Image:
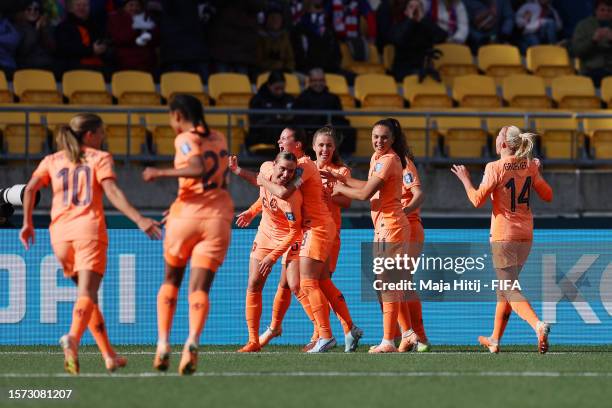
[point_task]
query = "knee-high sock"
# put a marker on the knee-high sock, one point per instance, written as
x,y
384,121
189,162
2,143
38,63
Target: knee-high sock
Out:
x,y
253,315
198,312
502,315
318,304
337,302
302,297
525,311
81,314
416,318
282,300
166,306
403,316
98,331
390,315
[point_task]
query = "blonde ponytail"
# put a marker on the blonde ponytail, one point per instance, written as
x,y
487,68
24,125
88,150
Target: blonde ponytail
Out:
x,y
70,137
521,144
67,142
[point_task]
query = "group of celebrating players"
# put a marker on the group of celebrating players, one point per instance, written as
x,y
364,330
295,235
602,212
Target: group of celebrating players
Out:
x,y
300,201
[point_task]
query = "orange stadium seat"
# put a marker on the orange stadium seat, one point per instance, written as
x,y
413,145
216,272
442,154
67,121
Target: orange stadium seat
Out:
x,y
377,90
599,132
426,94
500,60
456,60
476,91
292,83
230,90
337,85
6,96
134,88
36,86
371,66
464,137
172,83
85,88
548,61
14,131
560,139
574,92
525,91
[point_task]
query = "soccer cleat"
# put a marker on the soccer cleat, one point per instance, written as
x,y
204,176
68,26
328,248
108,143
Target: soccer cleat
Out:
x,y
422,347
161,362
489,343
71,360
250,347
189,359
115,362
351,339
382,348
309,345
268,335
409,341
542,329
323,345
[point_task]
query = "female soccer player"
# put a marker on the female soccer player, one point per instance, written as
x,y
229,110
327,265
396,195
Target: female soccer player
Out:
x,y
324,144
384,190
79,174
509,181
280,228
198,226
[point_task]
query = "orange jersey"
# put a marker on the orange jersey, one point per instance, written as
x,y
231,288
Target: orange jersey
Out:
x,y
314,211
509,182
386,203
410,179
328,188
205,197
77,211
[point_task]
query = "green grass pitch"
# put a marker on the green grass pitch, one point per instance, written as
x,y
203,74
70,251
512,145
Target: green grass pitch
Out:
x,y
284,377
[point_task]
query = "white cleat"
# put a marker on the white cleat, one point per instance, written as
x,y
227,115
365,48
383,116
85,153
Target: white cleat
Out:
x,y
323,345
351,339
542,330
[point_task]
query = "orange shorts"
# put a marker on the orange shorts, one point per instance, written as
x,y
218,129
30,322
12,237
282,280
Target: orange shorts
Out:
x,y
316,241
510,253
264,244
205,241
392,235
81,255
417,233
334,252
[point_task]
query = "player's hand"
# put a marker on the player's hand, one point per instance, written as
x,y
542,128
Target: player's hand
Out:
x,y
233,164
333,175
150,227
265,266
461,172
244,219
164,217
150,174
537,163
26,236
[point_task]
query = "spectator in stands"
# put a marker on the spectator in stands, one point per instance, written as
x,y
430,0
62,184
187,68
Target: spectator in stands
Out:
x,y
265,128
135,37
414,38
450,16
9,41
388,13
318,97
492,21
346,18
540,23
37,42
81,43
274,50
592,42
183,44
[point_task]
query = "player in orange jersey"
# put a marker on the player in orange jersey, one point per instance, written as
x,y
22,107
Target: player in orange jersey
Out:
x,y
79,174
198,226
384,190
509,181
324,144
280,228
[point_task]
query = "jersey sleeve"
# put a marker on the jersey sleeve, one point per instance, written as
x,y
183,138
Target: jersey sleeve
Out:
x,y
105,168
411,176
266,168
541,187
384,167
42,171
292,210
187,146
489,180
306,171
255,208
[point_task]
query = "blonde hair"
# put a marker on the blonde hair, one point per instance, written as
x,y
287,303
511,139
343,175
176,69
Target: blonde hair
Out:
x,y
521,144
70,137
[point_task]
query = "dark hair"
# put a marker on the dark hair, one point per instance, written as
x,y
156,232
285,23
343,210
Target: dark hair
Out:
x,y
329,130
603,2
275,76
399,141
192,110
285,156
298,135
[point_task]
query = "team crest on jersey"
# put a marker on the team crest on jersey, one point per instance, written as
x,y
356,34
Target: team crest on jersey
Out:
x,y
299,171
290,216
185,148
378,167
408,179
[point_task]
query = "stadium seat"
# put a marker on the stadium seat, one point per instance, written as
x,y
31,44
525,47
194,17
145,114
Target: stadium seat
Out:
x,y
500,60
292,86
494,124
599,131
464,137
337,85
606,91
371,66
388,56
559,137
574,92
134,88
476,91
54,120
117,130
525,91
456,60
6,96
171,83
548,61
85,88
14,131
36,86
230,90
377,90
427,94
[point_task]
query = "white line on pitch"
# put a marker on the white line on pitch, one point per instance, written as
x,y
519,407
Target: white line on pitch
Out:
x,y
296,352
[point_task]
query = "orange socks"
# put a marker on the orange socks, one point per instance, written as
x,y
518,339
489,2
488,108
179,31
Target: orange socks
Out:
x,y
403,316
253,314
390,315
282,300
318,304
81,314
166,305
416,318
302,297
198,311
98,331
337,302
502,315
525,311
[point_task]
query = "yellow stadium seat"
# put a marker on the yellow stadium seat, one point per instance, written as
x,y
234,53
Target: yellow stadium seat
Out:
x,y
85,88
388,56
525,91
14,131
427,94
377,90
456,60
134,88
163,134
606,91
54,120
116,125
36,86
292,83
574,92
548,61
337,85
559,137
500,60
371,66
494,124
464,137
476,91
231,90
5,94
172,83
599,132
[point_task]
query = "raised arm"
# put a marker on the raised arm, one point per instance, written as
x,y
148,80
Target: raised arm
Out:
x,y
249,176
477,196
